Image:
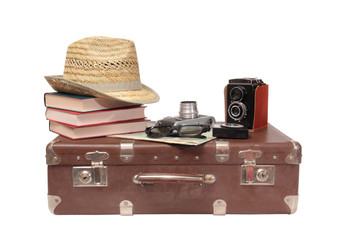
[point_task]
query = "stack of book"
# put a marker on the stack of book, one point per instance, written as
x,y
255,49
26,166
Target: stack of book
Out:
x,y
78,117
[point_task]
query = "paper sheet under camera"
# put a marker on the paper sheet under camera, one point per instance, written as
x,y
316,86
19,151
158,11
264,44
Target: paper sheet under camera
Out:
x,y
172,140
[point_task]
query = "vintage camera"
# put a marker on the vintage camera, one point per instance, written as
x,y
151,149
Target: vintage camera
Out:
x,y
188,124
246,103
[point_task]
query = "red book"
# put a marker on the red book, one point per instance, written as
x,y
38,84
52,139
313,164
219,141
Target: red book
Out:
x,y
80,119
98,130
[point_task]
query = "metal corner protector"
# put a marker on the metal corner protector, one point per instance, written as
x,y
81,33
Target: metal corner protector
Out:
x,y
53,202
292,202
51,157
295,156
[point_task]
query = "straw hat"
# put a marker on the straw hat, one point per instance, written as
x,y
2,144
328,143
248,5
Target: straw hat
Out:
x,y
103,67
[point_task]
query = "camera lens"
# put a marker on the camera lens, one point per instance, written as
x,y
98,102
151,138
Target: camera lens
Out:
x,y
237,93
188,110
237,111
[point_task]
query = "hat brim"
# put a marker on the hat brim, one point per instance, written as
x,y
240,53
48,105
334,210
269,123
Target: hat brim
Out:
x,y
141,96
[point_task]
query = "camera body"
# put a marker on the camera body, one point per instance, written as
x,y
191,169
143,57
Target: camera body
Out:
x,y
177,121
188,124
246,103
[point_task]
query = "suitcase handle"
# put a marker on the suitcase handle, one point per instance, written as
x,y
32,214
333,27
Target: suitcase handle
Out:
x,y
148,178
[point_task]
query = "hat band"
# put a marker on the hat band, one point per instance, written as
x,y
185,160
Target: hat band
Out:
x,y
115,86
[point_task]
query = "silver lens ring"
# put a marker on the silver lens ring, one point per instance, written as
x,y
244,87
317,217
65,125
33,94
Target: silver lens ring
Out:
x,y
242,111
236,97
188,110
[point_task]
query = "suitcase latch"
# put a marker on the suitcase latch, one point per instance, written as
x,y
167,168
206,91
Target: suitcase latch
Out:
x,y
253,174
94,175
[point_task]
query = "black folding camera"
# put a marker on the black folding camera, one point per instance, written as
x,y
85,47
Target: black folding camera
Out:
x,y
246,102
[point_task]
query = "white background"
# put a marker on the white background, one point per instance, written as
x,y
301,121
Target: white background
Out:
x,y
187,50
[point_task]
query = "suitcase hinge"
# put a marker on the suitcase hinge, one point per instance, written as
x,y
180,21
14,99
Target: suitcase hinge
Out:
x,y
126,151
253,174
94,175
222,153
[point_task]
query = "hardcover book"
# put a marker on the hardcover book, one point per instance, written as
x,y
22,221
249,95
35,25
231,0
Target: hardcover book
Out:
x,y
97,130
80,103
79,119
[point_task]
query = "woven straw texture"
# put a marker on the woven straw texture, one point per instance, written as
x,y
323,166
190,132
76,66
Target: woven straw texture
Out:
x,y
101,59
103,67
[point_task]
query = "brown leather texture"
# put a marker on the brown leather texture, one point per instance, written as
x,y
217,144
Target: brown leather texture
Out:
x,y
261,107
173,198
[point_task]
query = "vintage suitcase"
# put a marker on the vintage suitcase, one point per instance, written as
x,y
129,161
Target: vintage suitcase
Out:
x,y
224,176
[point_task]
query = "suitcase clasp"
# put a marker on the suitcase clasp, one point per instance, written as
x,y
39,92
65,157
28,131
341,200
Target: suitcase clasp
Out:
x,y
94,175
253,174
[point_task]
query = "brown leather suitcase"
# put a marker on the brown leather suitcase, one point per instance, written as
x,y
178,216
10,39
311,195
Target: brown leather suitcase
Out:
x,y
224,176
